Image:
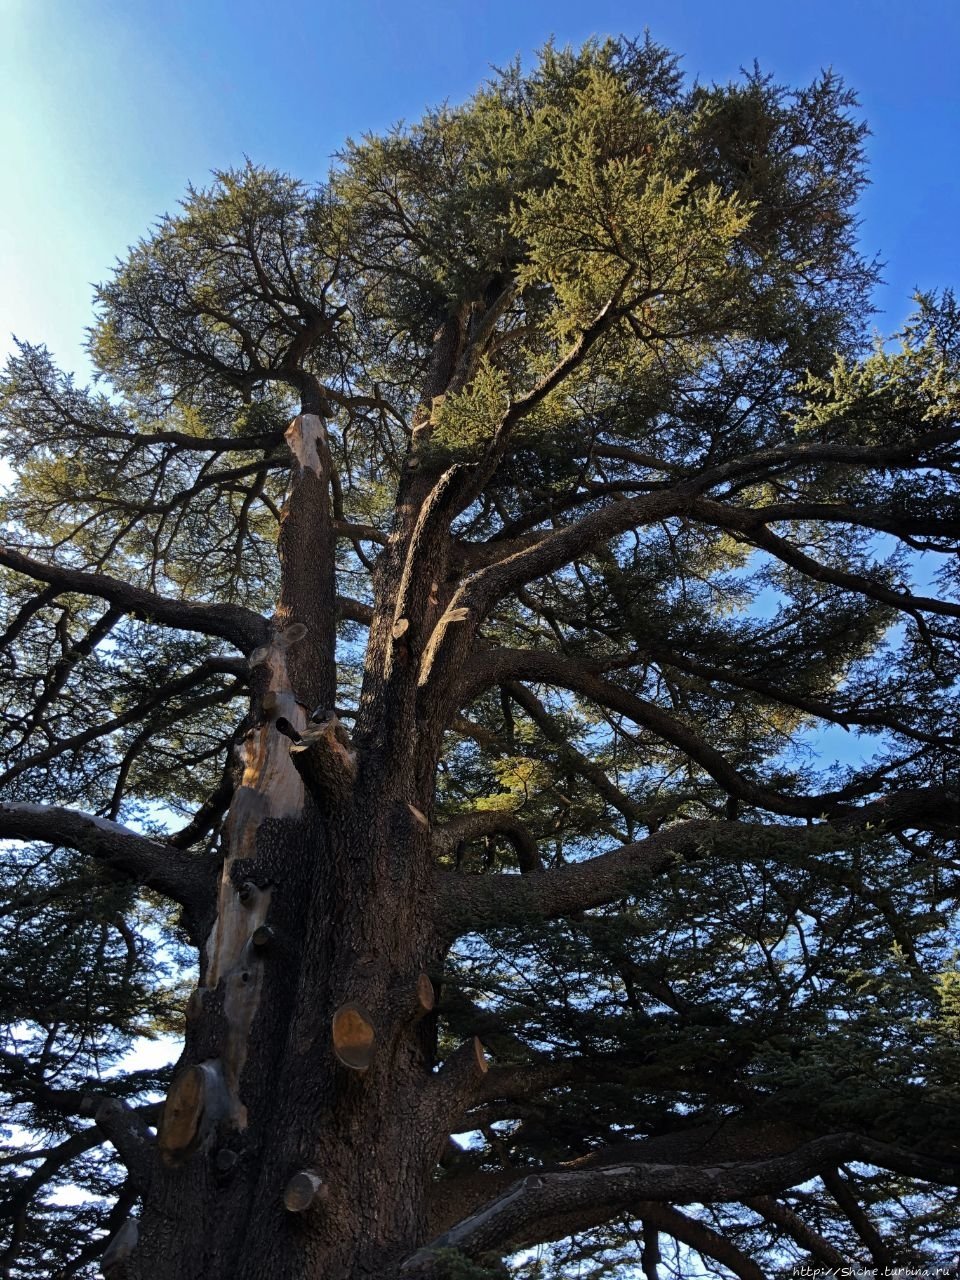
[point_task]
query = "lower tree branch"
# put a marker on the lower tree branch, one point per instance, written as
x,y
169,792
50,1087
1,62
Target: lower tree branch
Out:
x,y
781,1215
468,902
128,1131
241,627
476,902
126,1199
607,1190
857,1217
153,864
698,1235
18,1207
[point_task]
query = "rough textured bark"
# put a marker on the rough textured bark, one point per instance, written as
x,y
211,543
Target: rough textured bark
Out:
x,y
324,923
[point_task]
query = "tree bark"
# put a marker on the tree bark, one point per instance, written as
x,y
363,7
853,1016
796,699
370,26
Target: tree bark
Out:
x,y
305,1118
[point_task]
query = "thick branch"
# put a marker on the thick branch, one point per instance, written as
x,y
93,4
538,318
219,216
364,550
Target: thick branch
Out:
x,y
488,822
241,627
613,1189
151,863
129,1133
468,902
354,610
306,548
209,813
476,902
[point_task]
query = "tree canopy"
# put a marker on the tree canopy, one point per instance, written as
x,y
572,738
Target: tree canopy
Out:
x,y
620,554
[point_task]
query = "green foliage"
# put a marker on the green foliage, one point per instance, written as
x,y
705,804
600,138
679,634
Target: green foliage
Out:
x,y
588,285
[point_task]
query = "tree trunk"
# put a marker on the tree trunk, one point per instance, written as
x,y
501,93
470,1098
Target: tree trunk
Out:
x,y
305,1119
343,918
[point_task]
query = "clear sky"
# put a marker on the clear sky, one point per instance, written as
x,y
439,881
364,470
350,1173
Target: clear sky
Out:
x,y
108,108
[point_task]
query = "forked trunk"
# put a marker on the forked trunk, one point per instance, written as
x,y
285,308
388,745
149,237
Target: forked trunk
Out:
x,y
305,1119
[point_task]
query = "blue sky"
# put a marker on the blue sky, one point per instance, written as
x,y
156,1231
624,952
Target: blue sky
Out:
x,y
108,108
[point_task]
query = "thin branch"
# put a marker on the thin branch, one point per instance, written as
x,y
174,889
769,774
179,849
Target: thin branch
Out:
x,y
485,670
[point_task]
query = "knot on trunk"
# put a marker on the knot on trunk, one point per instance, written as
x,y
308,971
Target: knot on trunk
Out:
x,y
324,758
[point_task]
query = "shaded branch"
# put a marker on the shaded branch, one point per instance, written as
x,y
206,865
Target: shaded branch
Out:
x,y
607,1190
19,1204
354,610
152,864
476,902
466,903
209,813
781,1215
241,627
488,822
698,1235
857,1216
127,1130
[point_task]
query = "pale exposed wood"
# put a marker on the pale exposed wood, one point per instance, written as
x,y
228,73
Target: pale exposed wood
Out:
x,y
242,989
426,996
412,1001
305,436
304,1189
292,635
353,1036
483,1064
270,788
446,619
197,1100
400,627
182,1112
418,816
